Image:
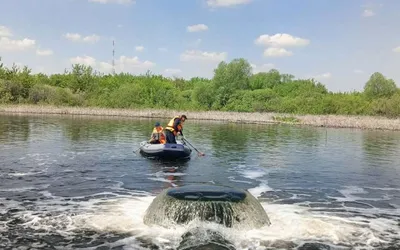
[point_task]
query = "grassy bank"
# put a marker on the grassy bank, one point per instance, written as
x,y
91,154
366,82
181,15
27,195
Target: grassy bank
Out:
x,y
338,121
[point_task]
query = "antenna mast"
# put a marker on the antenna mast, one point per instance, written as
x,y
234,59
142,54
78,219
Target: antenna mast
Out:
x,y
113,62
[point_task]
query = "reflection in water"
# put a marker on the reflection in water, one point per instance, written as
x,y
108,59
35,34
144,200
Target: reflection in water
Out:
x,y
13,128
228,137
379,150
380,144
80,129
306,136
244,137
170,173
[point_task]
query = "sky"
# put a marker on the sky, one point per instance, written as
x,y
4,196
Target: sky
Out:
x,y
338,42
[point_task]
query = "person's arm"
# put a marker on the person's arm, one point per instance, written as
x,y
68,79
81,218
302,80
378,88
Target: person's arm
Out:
x,y
176,126
155,135
151,137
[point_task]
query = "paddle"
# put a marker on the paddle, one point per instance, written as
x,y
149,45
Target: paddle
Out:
x,y
135,151
199,153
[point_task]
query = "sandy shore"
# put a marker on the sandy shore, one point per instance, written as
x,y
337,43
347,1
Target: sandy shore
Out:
x,y
338,121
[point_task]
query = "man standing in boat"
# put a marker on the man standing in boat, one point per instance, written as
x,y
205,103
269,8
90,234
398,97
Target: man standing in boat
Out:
x,y
174,128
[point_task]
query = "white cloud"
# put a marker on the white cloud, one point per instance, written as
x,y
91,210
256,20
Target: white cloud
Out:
x,y
368,13
358,71
370,9
197,55
397,49
75,37
172,71
135,62
263,67
91,39
322,76
277,52
104,66
163,49
197,28
113,1
5,32
125,64
139,48
86,60
226,3
72,36
45,52
7,44
281,40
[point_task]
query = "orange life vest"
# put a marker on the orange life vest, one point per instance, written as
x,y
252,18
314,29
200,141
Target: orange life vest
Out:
x,y
170,125
158,135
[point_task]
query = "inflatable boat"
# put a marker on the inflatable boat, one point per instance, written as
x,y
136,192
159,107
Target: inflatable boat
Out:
x,y
165,151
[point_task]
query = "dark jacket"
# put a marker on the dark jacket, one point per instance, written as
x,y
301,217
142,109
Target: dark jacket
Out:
x,y
176,122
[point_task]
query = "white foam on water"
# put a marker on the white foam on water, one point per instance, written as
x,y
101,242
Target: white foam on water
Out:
x,y
20,189
161,173
18,174
90,178
126,216
233,179
68,170
293,222
350,194
257,191
117,185
289,222
163,180
384,188
253,174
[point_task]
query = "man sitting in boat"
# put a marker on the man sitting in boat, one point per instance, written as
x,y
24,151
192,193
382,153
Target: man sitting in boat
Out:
x,y
174,128
157,137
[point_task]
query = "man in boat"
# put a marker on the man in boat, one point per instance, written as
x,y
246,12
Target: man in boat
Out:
x,y
174,128
157,137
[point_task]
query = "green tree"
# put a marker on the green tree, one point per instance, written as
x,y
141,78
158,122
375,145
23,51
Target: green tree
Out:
x,y
233,87
378,86
234,75
203,95
230,77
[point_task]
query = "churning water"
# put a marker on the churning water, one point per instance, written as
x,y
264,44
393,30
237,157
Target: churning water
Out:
x,y
75,183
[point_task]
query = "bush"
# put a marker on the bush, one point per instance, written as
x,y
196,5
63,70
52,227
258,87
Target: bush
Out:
x,y
233,88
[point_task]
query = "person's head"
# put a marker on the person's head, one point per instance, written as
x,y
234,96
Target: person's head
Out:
x,y
183,118
157,125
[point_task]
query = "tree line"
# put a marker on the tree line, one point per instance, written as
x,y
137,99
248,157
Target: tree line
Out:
x,y
232,88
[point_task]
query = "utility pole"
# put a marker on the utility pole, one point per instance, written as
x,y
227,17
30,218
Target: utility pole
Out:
x,y
113,61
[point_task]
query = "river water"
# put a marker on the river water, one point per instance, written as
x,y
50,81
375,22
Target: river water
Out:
x,y
76,183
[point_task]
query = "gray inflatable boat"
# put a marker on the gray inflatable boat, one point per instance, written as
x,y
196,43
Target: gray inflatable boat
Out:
x,y
166,151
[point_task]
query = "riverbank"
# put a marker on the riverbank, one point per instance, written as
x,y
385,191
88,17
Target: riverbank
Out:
x,y
337,121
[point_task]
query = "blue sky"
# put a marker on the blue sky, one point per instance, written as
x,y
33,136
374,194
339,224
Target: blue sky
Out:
x,y
339,42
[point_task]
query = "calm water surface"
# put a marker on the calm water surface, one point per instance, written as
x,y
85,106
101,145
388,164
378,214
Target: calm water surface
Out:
x,y
75,183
